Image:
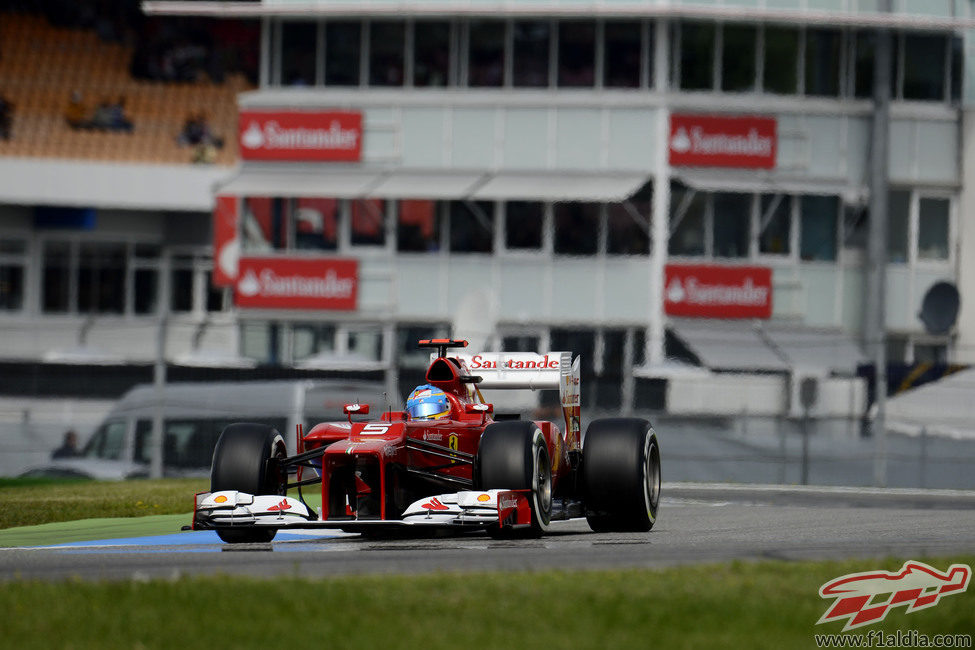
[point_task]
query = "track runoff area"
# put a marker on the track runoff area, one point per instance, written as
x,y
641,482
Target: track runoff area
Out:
x,y
697,523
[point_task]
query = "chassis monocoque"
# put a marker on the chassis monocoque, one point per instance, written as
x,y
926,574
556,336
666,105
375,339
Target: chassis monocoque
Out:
x,y
463,472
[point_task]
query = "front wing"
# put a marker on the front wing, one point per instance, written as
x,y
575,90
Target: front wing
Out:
x,y
460,510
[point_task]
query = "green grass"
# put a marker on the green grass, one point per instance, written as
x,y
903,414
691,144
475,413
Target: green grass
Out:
x,y
29,502
753,605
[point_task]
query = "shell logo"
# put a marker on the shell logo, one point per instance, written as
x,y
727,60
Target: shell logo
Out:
x,y
483,497
220,499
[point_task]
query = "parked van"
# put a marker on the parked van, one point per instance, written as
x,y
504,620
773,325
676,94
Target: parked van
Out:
x,y
194,414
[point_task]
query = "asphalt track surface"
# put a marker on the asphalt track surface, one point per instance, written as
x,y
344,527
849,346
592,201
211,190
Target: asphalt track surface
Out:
x,y
696,523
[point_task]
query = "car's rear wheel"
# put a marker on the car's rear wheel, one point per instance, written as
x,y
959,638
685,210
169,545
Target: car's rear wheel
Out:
x,y
514,456
241,462
621,473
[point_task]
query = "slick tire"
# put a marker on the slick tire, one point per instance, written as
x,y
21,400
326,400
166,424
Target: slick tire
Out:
x,y
621,475
240,462
514,456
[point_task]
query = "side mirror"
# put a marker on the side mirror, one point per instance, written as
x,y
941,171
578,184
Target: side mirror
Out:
x,y
358,409
482,409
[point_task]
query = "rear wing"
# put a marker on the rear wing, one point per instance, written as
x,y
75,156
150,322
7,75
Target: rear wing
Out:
x,y
534,371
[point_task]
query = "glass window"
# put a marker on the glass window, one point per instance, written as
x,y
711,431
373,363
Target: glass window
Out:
x,y
12,264
366,343
898,226
865,43
298,52
577,53
107,441
257,224
781,60
856,227
216,297
732,221
342,48
419,227
524,343
387,46
315,222
369,221
621,66
56,277
523,224
823,62
11,287
181,284
738,53
576,228
431,53
924,66
531,50
932,231
101,278
687,234
309,339
143,441
957,66
485,53
775,225
628,224
818,216
697,56
257,340
146,290
471,226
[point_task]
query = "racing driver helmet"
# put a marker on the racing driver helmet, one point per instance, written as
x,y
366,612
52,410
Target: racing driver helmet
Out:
x,y
427,402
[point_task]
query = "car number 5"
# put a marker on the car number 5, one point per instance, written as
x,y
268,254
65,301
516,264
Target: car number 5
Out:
x,y
375,429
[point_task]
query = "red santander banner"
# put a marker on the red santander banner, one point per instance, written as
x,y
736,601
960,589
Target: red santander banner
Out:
x,y
226,245
279,283
711,291
301,136
719,141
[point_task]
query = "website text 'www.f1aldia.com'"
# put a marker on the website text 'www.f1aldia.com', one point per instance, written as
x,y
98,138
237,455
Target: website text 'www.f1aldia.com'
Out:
x,y
899,639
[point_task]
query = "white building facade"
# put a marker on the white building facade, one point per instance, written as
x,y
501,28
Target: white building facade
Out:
x,y
513,160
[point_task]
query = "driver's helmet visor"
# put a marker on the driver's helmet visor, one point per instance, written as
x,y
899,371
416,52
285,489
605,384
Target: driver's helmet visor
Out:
x,y
427,409
427,402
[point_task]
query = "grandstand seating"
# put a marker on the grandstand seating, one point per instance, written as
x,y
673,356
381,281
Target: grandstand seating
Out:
x,y
41,65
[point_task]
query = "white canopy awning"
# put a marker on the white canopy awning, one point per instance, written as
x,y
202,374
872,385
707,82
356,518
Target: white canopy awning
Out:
x,y
427,185
561,186
750,345
944,408
819,351
749,181
728,344
342,182
301,180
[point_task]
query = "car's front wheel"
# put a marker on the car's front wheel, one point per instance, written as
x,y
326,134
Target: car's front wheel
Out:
x,y
241,462
514,456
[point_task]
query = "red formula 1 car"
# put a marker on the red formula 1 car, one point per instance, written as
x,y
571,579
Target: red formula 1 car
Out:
x,y
442,463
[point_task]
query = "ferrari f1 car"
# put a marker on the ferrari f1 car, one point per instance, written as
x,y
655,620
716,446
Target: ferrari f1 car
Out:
x,y
442,463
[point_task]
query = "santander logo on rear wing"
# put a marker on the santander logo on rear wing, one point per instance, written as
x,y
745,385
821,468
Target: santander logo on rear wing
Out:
x,y
533,371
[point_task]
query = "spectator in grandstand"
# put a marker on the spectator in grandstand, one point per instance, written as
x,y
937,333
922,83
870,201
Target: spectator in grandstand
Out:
x,y
197,131
6,117
76,114
110,116
118,121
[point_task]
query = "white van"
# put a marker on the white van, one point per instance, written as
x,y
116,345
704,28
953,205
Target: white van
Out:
x,y
194,414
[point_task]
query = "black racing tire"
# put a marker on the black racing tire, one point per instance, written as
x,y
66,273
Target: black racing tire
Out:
x,y
514,456
240,462
621,475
